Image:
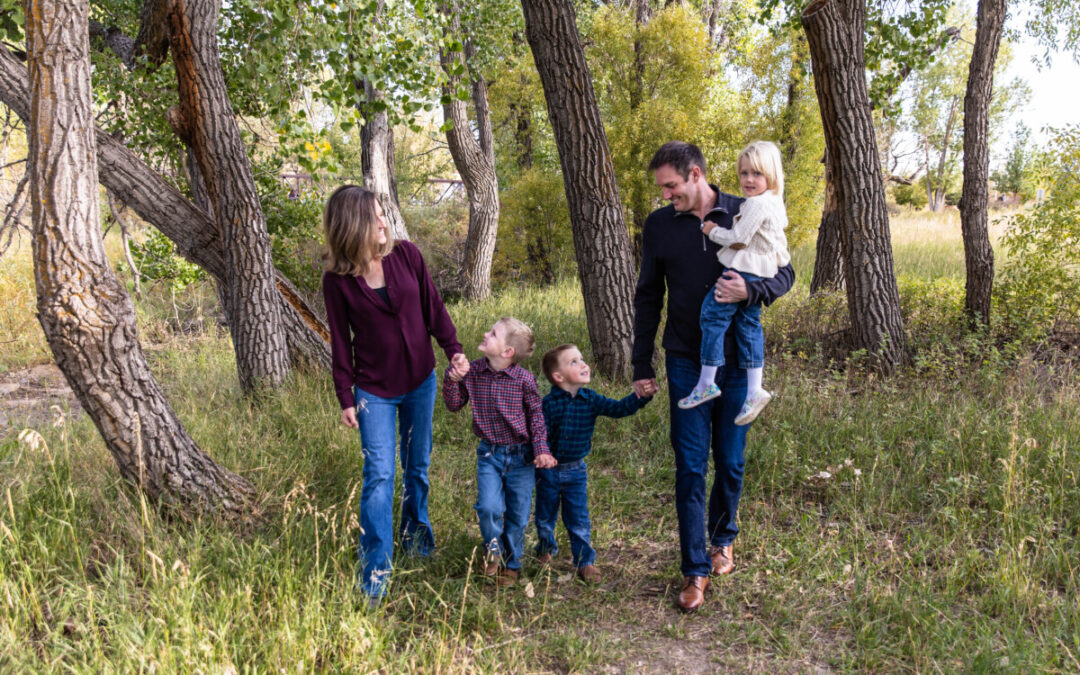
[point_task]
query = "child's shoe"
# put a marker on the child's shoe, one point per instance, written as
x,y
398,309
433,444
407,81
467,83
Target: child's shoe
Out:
x,y
699,396
589,574
753,405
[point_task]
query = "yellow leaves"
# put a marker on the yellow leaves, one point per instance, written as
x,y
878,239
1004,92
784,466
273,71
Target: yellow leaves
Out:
x,y
317,149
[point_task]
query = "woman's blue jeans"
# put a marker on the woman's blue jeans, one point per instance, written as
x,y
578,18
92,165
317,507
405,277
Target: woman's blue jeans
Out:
x,y
693,433
505,483
717,317
376,416
566,485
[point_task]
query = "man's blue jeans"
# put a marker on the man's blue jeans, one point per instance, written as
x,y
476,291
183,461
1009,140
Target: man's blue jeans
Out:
x,y
505,483
568,485
693,432
376,418
717,317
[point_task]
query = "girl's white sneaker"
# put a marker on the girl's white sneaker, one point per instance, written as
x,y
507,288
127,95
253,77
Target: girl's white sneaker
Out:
x,y
753,405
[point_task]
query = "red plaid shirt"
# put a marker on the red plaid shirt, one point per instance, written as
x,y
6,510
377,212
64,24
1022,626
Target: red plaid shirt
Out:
x,y
505,404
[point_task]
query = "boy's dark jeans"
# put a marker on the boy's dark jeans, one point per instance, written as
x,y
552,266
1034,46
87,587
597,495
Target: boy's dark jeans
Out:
x,y
567,486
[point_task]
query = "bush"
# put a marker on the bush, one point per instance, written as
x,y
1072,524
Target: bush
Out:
x,y
910,195
295,227
1040,288
156,260
439,231
536,244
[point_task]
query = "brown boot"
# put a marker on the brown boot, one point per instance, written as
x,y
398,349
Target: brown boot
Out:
x,y
543,558
692,595
506,577
723,560
589,574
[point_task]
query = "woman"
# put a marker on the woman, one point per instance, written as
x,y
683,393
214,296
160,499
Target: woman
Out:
x,y
383,310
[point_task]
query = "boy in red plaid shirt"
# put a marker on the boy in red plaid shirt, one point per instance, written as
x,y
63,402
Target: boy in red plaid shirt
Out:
x,y
508,419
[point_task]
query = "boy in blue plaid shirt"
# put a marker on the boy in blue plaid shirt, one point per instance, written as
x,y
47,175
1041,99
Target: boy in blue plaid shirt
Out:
x,y
570,412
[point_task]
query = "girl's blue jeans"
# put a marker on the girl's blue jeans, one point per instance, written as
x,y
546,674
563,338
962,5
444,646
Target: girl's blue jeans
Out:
x,y
566,485
716,317
505,483
376,417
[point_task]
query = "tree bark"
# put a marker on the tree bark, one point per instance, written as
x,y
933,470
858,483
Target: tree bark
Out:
x,y
83,308
204,120
978,254
834,29
196,236
475,161
829,255
377,159
601,243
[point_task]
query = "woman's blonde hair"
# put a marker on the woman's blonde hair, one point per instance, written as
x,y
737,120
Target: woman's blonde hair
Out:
x,y
350,226
764,156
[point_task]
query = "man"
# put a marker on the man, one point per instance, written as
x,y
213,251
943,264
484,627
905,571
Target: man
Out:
x,y
678,258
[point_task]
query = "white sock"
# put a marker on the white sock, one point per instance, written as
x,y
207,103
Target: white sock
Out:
x,y
708,376
753,379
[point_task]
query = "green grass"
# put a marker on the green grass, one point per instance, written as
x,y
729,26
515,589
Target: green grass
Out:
x,y
945,539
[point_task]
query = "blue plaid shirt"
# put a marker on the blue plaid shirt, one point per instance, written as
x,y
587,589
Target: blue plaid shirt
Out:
x,y
572,419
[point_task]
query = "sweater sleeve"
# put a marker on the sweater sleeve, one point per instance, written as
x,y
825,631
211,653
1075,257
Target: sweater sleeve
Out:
x,y
648,301
436,318
337,320
753,213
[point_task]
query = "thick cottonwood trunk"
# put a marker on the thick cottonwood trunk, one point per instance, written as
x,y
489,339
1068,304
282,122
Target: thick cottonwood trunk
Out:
x,y
601,243
978,254
83,308
204,120
377,159
474,159
829,256
196,236
834,29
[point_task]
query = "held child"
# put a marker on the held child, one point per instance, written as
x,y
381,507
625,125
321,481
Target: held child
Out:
x,y
755,247
508,419
570,411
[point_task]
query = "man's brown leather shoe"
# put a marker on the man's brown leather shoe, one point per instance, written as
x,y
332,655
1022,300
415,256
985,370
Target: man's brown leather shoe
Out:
x,y
491,569
723,559
589,574
543,558
506,577
692,595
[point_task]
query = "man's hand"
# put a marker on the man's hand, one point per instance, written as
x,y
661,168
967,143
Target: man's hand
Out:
x,y
348,417
459,367
646,388
545,461
730,287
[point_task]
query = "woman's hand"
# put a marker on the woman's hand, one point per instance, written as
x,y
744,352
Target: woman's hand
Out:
x,y
348,417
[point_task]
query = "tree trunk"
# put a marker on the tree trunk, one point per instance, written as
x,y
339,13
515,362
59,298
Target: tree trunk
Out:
x,y
83,308
601,244
475,162
377,159
829,255
196,236
978,254
834,29
204,120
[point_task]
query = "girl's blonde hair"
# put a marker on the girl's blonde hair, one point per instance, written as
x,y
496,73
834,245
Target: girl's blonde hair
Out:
x,y
350,226
764,156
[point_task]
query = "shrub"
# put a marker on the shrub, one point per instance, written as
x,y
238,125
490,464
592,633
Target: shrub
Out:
x,y
535,242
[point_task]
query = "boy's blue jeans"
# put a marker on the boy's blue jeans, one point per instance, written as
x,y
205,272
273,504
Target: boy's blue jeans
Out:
x,y
566,484
694,432
716,317
505,483
376,417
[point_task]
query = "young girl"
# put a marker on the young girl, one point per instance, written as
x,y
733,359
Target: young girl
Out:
x,y
755,247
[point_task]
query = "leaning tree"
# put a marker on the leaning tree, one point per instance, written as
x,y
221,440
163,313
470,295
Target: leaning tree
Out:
x,y
84,310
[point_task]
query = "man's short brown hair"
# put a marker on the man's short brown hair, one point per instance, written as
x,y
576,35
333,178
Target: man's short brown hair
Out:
x,y
520,337
680,156
550,363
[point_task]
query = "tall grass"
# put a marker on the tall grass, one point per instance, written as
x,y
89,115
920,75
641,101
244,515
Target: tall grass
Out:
x,y
928,522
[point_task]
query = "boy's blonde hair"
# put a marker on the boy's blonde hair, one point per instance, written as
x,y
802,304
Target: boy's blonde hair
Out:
x,y
764,156
550,363
520,337
350,225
